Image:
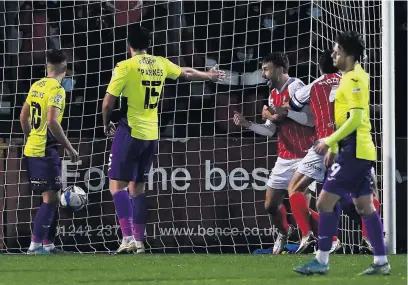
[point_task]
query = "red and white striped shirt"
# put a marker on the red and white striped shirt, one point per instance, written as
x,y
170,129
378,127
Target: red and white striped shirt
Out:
x,y
294,139
320,96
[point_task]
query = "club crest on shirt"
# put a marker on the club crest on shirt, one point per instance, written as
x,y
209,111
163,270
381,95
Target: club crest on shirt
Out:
x,y
58,99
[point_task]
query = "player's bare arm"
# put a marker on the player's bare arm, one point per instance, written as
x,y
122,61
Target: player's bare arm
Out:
x,y
25,119
191,74
107,109
56,129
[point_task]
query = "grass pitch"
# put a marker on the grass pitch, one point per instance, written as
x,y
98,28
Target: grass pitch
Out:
x,y
189,269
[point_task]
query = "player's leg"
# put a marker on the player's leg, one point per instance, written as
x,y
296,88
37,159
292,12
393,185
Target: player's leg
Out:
x,y
137,193
48,242
275,208
278,184
300,208
365,245
364,202
311,168
140,211
338,179
122,170
45,178
42,222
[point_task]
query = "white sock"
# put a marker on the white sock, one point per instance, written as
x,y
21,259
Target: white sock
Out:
x,y
322,256
34,245
128,239
380,259
49,246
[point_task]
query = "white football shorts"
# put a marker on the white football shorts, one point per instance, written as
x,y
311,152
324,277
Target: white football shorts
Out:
x,y
282,173
312,165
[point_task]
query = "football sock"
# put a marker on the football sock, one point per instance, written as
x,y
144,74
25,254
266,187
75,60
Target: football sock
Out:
x,y
139,216
374,229
300,211
34,245
328,225
124,212
42,221
52,230
363,225
279,220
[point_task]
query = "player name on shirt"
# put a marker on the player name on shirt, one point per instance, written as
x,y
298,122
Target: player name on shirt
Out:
x,y
151,72
320,95
139,82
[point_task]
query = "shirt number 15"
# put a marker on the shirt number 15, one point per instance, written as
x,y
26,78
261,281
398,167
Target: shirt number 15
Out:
x,y
151,94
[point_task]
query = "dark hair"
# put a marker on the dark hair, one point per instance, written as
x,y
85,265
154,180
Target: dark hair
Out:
x,y
326,63
139,38
279,59
352,43
56,56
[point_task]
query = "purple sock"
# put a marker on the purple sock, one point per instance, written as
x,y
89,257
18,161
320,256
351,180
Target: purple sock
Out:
x,y
375,233
139,216
42,221
124,212
328,225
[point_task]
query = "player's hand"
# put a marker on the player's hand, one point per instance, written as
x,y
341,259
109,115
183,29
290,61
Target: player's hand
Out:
x,y
110,129
281,111
286,105
240,120
266,114
321,148
216,74
73,155
329,159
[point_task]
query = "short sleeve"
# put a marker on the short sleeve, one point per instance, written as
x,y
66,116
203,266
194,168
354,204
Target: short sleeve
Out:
x,y
28,99
173,70
56,97
295,86
118,80
300,98
353,92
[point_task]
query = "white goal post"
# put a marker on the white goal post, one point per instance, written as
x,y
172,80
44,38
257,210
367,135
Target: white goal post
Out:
x,y
207,186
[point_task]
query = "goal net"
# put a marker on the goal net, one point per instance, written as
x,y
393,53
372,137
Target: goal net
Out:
x,y
206,189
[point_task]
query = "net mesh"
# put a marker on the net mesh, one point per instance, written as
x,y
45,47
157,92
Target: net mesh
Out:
x,y
206,190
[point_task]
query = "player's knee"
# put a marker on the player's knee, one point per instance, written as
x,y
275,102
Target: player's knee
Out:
x,y
50,197
136,188
322,206
364,210
272,208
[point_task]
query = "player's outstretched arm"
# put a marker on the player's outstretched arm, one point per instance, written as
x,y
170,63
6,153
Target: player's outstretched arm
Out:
x,y
191,74
55,127
25,119
268,129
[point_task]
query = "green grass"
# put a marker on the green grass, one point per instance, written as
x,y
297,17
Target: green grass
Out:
x,y
189,269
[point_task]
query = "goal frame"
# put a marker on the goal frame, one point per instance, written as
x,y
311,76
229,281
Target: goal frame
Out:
x,y
388,125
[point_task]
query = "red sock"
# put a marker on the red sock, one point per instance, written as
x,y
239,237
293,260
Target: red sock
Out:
x,y
300,211
279,220
315,215
363,226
